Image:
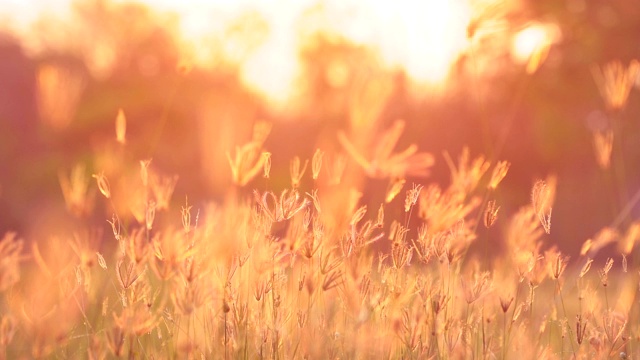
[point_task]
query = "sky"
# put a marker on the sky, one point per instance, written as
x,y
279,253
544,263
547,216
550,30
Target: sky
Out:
x,y
423,38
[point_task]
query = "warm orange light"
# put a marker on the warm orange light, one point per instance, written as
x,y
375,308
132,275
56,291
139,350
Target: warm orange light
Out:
x,y
527,41
423,38
262,38
531,45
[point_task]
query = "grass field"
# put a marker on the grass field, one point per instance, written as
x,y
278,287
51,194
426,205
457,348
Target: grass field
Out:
x,y
298,273
320,264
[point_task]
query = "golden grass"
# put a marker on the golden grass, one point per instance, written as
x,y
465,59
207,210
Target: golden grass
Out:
x,y
312,272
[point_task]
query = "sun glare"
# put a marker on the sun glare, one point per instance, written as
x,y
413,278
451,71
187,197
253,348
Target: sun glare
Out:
x,y
531,40
423,38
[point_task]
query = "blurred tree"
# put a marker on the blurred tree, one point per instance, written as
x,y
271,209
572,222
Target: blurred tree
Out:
x,y
18,115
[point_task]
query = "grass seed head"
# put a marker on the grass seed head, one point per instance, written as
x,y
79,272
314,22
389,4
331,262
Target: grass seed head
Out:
x,y
316,164
297,172
394,188
603,146
103,184
615,81
499,172
144,171
491,214
542,198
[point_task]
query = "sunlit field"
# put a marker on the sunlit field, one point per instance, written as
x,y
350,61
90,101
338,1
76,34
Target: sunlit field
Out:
x,y
320,180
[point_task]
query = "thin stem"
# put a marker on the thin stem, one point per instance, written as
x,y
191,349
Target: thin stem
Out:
x,y
434,333
566,318
504,335
531,295
225,336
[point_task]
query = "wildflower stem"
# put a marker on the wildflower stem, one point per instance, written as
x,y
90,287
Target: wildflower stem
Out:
x,y
274,340
225,336
513,313
434,333
531,295
246,333
564,310
132,354
481,211
504,335
115,212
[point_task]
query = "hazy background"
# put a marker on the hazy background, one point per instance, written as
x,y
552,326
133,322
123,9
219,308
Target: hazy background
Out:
x,y
193,76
